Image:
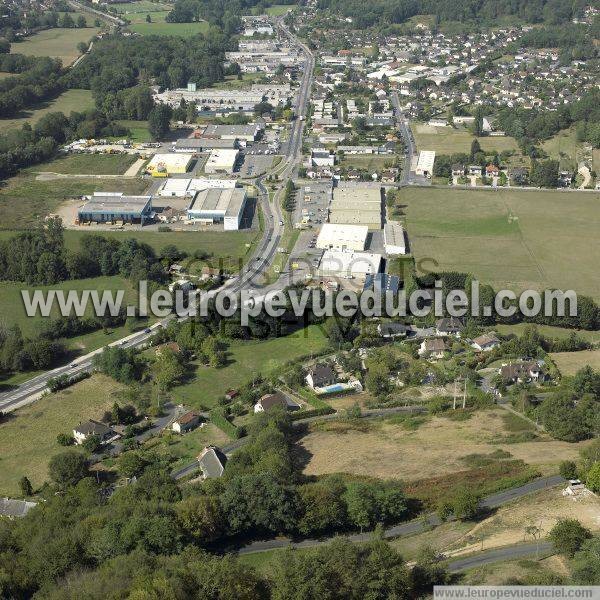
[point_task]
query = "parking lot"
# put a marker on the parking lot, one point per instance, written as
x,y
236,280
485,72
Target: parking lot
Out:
x,y
255,165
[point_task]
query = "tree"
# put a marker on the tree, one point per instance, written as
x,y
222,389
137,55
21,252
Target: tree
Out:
x,y
81,22
92,444
68,468
568,535
478,123
82,47
159,121
475,149
586,563
148,19
167,369
66,21
465,504
25,487
201,517
359,124
592,479
64,439
131,464
568,469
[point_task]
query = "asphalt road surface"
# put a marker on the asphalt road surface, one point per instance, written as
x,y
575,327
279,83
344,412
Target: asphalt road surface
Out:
x,y
498,555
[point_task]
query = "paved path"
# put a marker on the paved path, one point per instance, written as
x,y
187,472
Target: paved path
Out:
x,y
498,555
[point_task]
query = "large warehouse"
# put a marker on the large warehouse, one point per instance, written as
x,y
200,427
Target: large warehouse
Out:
x,y
219,206
357,206
349,264
169,163
335,236
425,163
201,144
103,207
393,238
221,161
180,188
247,133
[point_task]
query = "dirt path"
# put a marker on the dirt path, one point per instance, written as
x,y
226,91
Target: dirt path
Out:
x,y
587,176
134,168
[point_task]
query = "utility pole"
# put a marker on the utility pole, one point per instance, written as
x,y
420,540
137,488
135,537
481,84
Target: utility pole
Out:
x,y
454,400
465,395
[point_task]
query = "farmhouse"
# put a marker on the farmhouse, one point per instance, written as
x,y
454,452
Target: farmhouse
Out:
x,y
425,163
320,375
111,207
219,206
394,239
342,237
90,428
212,462
186,422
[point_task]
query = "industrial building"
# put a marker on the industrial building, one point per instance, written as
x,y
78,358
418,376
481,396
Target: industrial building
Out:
x,y
111,207
349,264
247,133
180,188
394,238
342,237
167,164
219,206
202,144
357,206
425,163
221,160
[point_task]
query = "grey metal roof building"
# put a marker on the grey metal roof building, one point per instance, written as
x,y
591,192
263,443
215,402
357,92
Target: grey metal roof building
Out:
x,y
15,508
201,144
212,462
114,206
219,206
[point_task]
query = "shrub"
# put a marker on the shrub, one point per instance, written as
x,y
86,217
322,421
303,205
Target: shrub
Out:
x,y
568,535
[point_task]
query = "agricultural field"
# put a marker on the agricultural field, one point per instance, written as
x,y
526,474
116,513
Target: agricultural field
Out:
x,y
246,359
508,238
447,140
391,450
370,162
25,199
565,148
279,9
87,164
568,363
549,331
161,27
56,43
67,102
28,436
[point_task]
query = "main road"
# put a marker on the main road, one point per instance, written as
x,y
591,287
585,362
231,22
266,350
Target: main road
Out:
x,y
249,277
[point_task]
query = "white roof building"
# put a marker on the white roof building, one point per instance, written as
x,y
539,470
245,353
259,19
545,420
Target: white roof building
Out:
x,y
219,206
393,238
334,236
425,163
170,163
221,160
180,188
349,264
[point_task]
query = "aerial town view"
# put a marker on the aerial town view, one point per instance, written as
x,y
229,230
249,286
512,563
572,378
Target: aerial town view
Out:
x,y
299,299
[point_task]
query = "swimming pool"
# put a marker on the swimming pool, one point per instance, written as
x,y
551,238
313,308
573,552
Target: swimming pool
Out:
x,y
334,387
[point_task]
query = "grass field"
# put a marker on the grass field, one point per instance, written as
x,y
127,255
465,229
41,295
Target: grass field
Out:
x,y
447,140
28,437
13,310
231,82
87,164
279,9
24,200
139,130
390,451
56,43
508,238
370,162
160,27
246,359
563,147
67,102
569,363
560,333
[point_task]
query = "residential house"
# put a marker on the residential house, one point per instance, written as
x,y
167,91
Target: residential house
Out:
x,y
268,401
492,171
90,428
320,376
475,170
449,326
14,509
392,330
186,422
522,372
434,348
212,462
519,176
458,170
486,342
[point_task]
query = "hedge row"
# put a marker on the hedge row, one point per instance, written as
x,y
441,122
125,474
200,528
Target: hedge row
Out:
x,y
314,412
218,418
55,384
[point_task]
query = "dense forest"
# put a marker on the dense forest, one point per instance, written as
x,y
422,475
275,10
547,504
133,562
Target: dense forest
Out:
x,y
385,12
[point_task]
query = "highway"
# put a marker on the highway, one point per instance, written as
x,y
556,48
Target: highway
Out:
x,y
249,277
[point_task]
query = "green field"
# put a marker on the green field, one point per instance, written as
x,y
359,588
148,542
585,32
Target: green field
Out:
x,y
231,82
25,200
139,130
515,239
163,28
549,331
13,310
246,359
370,162
569,363
447,140
28,439
279,9
565,148
56,43
87,164
67,102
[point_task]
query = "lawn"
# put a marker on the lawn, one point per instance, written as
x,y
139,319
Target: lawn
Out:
x,y
549,331
370,162
87,164
28,436
569,363
231,82
67,102
447,140
56,43
139,130
245,360
25,200
510,238
173,29
564,147
279,9
13,310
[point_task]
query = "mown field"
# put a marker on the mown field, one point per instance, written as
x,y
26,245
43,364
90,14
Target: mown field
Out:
x,y
246,359
548,331
138,130
56,43
509,238
28,436
67,102
160,27
447,140
87,164
569,363
370,162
